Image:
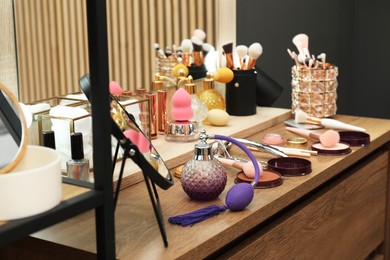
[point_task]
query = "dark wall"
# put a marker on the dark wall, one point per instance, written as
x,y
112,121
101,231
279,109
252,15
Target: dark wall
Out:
x,y
354,34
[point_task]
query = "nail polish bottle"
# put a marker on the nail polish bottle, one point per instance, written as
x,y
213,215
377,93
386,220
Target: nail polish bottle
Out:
x,y
78,167
48,139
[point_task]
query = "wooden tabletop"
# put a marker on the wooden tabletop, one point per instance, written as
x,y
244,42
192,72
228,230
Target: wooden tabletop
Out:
x,y
137,233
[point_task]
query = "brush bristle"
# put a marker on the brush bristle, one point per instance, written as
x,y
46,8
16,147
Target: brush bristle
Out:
x,y
300,116
228,47
255,50
186,46
242,50
301,41
330,138
199,34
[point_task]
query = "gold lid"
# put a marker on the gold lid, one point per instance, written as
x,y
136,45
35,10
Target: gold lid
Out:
x,y
208,82
190,85
296,140
157,83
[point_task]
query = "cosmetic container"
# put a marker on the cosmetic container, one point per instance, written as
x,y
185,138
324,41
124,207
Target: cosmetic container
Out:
x,y
241,93
212,98
181,128
198,106
78,167
314,90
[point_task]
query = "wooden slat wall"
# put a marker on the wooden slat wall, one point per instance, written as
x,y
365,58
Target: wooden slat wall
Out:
x,y
52,40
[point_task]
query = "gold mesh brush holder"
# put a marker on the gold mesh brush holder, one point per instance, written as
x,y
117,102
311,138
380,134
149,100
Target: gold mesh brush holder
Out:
x,y
314,90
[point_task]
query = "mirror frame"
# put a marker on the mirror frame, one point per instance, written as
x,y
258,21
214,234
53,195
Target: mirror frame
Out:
x,y
24,134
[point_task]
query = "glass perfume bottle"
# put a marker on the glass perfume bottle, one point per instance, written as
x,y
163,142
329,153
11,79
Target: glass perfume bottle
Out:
x,y
203,177
198,106
78,167
212,98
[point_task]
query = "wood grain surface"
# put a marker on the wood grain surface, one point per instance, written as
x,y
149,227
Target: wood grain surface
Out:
x,y
341,204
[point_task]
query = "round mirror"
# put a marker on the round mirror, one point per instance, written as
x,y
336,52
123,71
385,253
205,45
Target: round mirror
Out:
x,y
125,126
13,131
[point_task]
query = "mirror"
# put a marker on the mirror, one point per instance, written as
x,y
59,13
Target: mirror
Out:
x,y
13,131
124,127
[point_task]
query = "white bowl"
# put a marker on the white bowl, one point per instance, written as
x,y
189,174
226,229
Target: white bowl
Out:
x,y
33,186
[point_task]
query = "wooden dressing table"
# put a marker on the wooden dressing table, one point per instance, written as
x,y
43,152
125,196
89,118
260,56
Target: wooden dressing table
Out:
x,y
339,211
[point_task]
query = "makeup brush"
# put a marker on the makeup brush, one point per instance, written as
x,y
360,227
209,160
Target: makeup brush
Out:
x,y
245,166
328,139
322,58
301,41
242,51
197,51
186,48
159,52
228,50
302,117
199,34
293,56
254,52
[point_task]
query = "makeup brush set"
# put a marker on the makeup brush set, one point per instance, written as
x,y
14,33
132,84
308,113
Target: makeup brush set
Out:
x,y
314,80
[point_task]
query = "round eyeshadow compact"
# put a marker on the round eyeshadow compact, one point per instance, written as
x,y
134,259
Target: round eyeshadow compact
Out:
x,y
338,149
354,138
268,179
290,166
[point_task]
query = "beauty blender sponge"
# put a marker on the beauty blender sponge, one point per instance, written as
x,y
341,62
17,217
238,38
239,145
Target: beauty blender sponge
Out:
x,y
181,105
223,75
138,139
115,88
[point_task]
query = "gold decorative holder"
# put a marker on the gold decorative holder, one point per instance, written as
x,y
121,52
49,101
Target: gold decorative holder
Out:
x,y
314,90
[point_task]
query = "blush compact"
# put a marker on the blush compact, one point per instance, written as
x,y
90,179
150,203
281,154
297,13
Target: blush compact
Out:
x,y
338,149
290,166
268,179
354,138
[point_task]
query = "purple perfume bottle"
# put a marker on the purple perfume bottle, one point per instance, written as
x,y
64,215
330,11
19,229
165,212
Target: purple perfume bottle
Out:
x,y
203,177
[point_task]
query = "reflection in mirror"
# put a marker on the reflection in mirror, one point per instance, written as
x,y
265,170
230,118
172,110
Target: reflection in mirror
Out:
x,y
13,131
125,127
127,124
137,147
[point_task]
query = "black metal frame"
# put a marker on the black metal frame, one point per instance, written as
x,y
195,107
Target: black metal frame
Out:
x,y
99,75
130,151
100,198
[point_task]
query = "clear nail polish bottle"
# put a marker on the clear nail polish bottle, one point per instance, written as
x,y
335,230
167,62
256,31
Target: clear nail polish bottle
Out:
x,y
78,166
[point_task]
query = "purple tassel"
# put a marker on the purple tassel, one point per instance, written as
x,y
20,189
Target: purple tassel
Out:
x,y
197,216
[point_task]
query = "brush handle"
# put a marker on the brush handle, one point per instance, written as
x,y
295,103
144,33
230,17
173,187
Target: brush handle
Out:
x,y
332,123
304,132
230,162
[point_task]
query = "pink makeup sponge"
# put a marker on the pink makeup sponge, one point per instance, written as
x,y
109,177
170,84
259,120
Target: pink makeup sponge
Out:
x,y
330,138
115,88
181,105
138,139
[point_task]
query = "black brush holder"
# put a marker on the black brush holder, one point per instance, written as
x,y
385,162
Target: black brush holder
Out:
x,y
197,72
268,90
241,93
